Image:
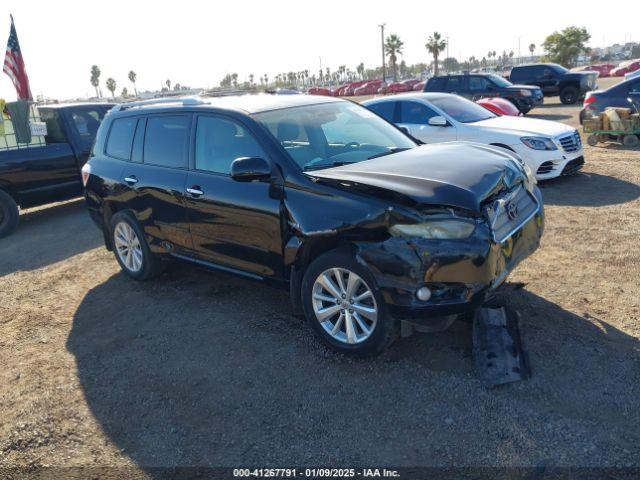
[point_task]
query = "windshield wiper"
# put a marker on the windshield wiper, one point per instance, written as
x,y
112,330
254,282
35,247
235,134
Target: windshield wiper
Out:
x,y
320,166
389,152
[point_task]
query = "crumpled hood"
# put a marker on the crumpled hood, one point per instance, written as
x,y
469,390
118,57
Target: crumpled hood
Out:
x,y
525,126
457,174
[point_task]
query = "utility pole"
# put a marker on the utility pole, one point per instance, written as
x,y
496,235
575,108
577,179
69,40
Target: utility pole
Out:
x,y
383,56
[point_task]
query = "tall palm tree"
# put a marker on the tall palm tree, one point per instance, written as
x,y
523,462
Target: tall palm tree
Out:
x,y
95,79
360,70
393,47
251,79
532,48
436,45
111,86
132,79
168,84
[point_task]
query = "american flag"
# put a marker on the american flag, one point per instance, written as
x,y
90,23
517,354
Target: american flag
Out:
x,y
14,66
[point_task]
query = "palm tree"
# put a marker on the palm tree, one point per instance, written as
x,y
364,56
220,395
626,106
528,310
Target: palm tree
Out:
x,y
360,70
132,79
95,78
168,84
393,47
125,93
251,79
436,46
532,48
111,86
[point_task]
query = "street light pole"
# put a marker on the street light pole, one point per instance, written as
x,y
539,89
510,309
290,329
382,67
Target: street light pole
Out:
x,y
383,56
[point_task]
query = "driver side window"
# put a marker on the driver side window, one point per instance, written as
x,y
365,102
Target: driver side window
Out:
x,y
415,113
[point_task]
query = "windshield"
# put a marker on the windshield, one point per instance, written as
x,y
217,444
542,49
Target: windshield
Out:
x,y
331,134
461,109
499,81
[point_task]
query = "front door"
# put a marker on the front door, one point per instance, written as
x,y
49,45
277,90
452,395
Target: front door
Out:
x,y
414,116
233,224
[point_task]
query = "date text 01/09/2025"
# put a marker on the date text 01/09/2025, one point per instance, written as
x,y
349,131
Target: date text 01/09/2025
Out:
x,y
315,473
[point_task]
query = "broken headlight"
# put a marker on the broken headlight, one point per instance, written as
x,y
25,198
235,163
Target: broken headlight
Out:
x,y
435,229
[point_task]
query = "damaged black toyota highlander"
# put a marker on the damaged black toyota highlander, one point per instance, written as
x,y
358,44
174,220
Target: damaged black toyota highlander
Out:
x,y
363,225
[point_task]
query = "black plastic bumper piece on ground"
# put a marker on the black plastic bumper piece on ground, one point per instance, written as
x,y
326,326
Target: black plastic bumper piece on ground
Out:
x,y
497,349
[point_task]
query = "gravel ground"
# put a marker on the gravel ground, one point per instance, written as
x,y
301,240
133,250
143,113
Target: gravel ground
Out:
x,y
200,368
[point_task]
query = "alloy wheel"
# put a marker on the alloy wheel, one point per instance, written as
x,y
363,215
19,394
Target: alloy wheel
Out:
x,y
128,246
344,305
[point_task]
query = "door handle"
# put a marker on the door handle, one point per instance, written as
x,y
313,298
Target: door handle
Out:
x,y
195,191
131,179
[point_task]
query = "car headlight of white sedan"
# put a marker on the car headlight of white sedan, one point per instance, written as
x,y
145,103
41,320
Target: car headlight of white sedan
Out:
x,y
539,143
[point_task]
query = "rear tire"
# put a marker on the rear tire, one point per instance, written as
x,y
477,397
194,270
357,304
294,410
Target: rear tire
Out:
x,y
569,95
592,140
131,249
360,328
631,141
8,214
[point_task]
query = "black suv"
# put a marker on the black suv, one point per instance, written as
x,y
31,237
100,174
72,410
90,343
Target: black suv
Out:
x,y
318,195
480,85
555,80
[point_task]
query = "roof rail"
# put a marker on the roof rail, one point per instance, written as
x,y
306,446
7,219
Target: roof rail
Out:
x,y
157,101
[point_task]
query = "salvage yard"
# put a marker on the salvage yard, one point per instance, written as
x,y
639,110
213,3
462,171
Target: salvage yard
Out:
x,y
200,368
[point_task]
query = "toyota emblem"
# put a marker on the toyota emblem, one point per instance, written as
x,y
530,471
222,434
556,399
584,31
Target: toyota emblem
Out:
x,y
512,211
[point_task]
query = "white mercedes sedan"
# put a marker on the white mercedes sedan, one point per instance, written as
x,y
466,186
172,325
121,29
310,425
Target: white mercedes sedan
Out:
x,y
548,148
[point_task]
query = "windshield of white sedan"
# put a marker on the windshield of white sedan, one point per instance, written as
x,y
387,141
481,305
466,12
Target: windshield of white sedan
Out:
x,y
461,109
332,134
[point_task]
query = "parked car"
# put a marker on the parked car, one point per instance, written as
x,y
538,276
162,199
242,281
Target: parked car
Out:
x,y
626,67
549,149
320,91
555,80
418,87
369,88
615,96
499,106
37,175
603,69
317,195
349,90
395,87
479,85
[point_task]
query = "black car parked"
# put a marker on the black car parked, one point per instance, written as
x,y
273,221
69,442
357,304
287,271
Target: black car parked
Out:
x,y
35,175
480,85
319,195
556,80
616,96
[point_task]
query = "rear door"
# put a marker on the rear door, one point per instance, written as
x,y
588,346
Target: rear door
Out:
x,y
156,177
233,224
457,84
414,116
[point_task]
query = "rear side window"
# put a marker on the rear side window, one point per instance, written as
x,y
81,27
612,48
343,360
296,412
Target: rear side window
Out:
x,y
121,138
55,134
220,141
519,73
385,109
415,113
166,140
436,84
455,84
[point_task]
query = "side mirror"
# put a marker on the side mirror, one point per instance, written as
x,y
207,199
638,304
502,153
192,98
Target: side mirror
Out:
x,y
247,169
630,100
438,121
404,130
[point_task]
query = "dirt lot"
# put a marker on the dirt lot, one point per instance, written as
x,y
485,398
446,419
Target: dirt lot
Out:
x,y
200,368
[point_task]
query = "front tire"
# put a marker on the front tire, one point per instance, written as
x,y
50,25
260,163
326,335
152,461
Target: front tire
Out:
x,y
131,249
569,95
343,306
8,214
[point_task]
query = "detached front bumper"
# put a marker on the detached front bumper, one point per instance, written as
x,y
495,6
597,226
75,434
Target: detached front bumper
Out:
x,y
459,273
